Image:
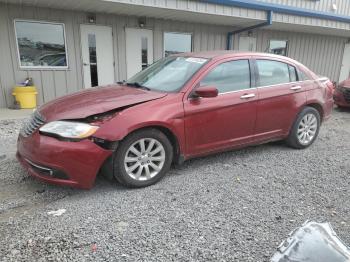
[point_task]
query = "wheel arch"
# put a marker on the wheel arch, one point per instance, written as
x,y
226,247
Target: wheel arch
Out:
x,y
107,168
318,107
170,134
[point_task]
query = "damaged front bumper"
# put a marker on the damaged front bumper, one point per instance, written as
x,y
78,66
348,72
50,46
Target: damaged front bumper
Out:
x,y
74,164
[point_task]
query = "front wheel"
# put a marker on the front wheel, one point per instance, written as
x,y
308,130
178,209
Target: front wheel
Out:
x,y
305,128
143,158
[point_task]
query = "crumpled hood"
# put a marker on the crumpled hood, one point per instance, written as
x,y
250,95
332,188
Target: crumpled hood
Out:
x,y
95,101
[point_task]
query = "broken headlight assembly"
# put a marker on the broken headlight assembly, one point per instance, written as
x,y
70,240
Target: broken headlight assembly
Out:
x,y
68,130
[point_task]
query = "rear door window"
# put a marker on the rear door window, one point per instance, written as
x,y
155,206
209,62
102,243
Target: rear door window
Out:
x,y
229,76
292,73
272,72
302,76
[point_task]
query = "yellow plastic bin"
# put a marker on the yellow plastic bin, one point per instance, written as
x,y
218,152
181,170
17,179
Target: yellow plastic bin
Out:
x,y
25,96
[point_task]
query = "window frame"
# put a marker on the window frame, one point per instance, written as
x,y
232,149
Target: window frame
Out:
x,y
299,71
257,75
58,68
180,33
295,72
252,78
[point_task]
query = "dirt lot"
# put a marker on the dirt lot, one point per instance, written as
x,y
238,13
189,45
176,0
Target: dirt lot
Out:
x,y
235,206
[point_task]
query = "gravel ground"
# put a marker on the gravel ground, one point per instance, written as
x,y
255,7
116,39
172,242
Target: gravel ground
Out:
x,y
234,206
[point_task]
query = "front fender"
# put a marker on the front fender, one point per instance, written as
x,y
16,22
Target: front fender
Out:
x,y
167,113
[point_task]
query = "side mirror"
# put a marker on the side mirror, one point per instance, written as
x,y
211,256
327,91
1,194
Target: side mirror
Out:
x,y
206,91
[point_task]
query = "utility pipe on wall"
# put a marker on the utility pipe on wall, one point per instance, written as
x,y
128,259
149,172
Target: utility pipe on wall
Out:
x,y
231,34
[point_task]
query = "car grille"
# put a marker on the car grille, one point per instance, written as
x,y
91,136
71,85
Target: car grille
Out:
x,y
31,125
347,95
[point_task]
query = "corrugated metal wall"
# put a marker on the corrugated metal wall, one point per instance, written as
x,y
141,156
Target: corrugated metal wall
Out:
x,y
322,54
343,6
202,6
54,83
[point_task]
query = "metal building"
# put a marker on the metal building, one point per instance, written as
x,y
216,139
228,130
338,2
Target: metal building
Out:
x,y
69,45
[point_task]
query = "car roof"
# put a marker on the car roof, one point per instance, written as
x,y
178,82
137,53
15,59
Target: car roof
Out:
x,y
218,54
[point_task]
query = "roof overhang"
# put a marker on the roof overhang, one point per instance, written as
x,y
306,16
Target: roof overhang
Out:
x,y
233,13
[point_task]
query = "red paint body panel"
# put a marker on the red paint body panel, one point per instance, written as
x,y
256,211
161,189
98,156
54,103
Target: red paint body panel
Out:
x,y
277,108
80,161
201,126
166,112
95,101
213,124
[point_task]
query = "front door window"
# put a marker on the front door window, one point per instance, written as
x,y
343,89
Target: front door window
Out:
x,y
229,76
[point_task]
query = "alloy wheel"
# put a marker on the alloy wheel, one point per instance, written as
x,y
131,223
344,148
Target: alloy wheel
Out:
x,y
307,129
144,159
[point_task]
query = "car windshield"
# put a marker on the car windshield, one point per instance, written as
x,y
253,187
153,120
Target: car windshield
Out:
x,y
168,74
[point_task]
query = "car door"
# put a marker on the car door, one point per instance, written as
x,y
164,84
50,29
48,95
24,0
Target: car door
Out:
x,y
224,121
280,98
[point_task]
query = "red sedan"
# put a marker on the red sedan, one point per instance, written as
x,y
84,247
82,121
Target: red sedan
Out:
x,y
342,94
180,107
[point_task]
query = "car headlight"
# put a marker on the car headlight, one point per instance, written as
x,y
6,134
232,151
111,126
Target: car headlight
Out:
x,y
68,129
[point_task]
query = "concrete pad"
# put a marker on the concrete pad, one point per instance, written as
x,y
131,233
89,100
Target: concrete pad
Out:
x,y
6,114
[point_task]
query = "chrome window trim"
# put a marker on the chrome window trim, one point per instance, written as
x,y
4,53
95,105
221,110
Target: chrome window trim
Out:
x,y
288,83
236,91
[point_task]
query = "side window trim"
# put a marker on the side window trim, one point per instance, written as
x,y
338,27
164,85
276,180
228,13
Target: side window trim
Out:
x,y
251,76
257,76
290,68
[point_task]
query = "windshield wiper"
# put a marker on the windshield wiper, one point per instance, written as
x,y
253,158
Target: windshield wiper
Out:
x,y
138,85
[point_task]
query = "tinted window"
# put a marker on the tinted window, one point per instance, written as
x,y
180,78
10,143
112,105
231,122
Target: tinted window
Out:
x,y
229,76
302,76
272,72
292,73
168,74
41,44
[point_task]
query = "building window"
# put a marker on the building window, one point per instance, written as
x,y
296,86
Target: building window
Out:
x,y
175,43
41,44
278,47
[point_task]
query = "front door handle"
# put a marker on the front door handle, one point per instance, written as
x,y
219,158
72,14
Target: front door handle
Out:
x,y
247,96
295,88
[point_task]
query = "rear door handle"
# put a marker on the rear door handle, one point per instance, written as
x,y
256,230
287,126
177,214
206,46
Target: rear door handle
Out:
x,y
247,96
295,88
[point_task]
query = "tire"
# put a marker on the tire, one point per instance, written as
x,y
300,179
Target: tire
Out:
x,y
134,154
302,137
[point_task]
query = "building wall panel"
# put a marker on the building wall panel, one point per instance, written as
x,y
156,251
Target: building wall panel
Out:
x,y
320,53
343,6
315,51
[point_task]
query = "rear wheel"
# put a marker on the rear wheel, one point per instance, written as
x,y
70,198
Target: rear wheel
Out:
x,y
143,158
305,128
